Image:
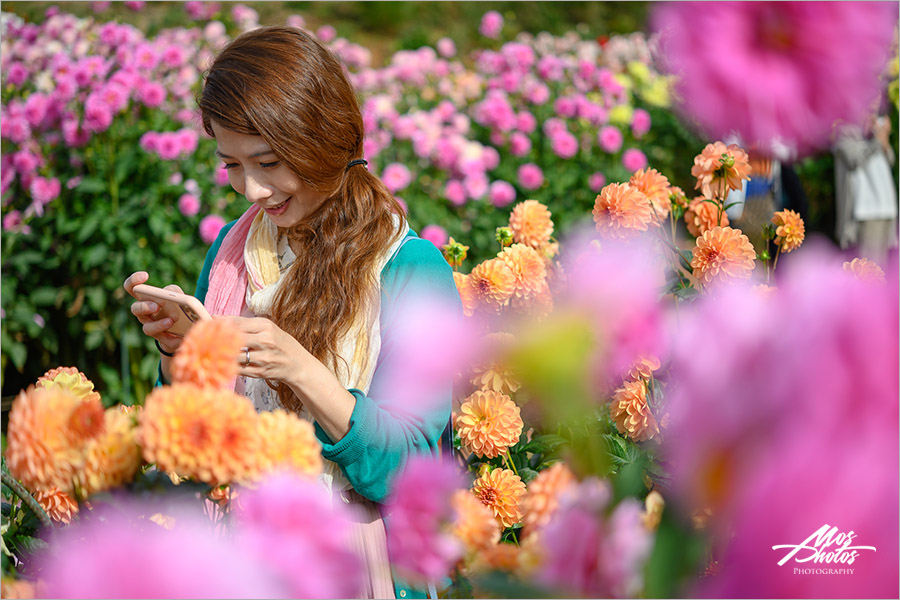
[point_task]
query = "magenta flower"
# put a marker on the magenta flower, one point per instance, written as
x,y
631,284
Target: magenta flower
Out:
x,y
97,113
326,33
519,144
530,176
784,62
403,205
446,47
99,6
455,192
25,161
125,555
564,144
640,123
396,177
188,139
36,107
525,122
435,234
476,185
135,5
610,139
634,160
210,226
804,374
589,555
149,141
491,24
304,538
418,543
537,94
12,220
189,205
565,107
152,93
596,181
502,193
43,191
17,74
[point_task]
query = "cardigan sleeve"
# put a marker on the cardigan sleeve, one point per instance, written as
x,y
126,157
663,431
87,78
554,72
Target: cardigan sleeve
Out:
x,y
382,436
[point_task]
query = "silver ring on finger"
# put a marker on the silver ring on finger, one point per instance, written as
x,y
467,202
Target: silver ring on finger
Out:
x,y
247,359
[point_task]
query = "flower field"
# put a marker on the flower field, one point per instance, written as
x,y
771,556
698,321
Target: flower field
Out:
x,y
649,400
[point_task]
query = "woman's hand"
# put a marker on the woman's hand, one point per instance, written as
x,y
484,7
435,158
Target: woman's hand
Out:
x,y
274,354
147,313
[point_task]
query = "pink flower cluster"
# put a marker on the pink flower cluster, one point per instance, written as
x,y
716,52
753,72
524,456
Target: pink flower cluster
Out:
x,y
419,543
589,554
170,145
784,417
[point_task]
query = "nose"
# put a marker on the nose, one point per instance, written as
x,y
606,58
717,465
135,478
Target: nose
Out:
x,y
254,190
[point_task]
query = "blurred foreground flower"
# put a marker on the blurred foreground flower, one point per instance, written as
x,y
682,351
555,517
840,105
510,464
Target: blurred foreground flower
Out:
x,y
791,70
420,543
542,497
290,445
864,270
208,356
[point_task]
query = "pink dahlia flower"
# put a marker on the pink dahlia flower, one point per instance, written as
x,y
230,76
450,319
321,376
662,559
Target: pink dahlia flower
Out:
x,y
502,193
210,226
530,176
790,71
435,234
634,160
189,205
491,24
610,139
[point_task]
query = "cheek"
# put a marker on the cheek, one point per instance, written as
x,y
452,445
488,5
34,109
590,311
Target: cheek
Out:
x,y
236,181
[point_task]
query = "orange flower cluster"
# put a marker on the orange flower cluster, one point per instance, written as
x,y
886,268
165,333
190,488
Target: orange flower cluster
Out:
x,y
542,498
501,490
719,166
655,186
653,509
644,367
701,216
528,268
496,376
531,224
722,254
865,270
488,423
466,292
493,283
58,505
789,230
290,444
208,356
474,524
59,437
622,211
631,412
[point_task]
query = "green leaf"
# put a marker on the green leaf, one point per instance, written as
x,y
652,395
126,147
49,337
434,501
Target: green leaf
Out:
x,y
44,296
688,293
95,256
17,353
526,474
89,226
684,258
91,186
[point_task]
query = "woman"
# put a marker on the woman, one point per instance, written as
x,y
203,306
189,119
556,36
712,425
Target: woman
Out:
x,y
314,271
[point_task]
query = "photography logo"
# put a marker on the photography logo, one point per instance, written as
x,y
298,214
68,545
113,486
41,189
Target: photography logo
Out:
x,y
826,546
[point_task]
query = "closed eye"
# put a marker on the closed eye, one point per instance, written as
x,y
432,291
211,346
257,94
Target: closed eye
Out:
x,y
269,165
230,165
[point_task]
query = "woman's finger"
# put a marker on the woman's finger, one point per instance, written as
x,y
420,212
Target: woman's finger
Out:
x,y
144,308
155,328
134,279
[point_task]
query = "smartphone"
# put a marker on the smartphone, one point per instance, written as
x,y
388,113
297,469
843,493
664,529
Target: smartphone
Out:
x,y
184,310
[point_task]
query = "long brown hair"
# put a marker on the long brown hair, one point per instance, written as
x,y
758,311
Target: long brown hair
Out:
x,y
280,83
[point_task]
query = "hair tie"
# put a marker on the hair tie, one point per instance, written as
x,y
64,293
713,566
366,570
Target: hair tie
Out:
x,y
357,161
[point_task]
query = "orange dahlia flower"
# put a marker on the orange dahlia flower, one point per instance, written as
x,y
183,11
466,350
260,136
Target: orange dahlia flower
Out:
x,y
655,186
112,458
528,267
789,230
531,224
644,367
719,166
290,443
68,378
501,490
701,216
493,282
488,423
542,497
208,434
722,254
631,412
497,376
497,557
43,451
622,211
16,589
466,293
763,291
58,505
208,356
865,270
474,524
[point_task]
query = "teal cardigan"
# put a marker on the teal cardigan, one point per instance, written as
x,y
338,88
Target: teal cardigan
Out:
x,y
380,441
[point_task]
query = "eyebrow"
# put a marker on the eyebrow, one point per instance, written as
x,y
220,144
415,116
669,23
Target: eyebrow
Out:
x,y
220,154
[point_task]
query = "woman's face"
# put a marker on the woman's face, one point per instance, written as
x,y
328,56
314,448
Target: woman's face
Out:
x,y
255,171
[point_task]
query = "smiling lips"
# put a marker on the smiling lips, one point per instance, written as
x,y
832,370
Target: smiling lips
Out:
x,y
277,210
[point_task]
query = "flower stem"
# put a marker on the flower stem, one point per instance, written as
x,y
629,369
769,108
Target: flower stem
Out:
x,y
775,263
27,499
510,463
